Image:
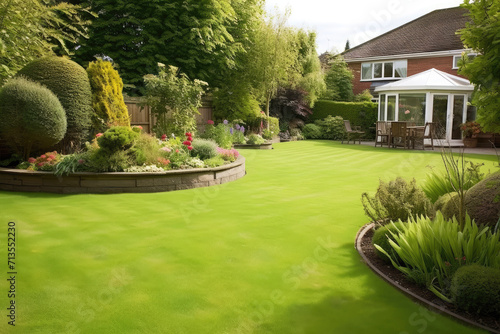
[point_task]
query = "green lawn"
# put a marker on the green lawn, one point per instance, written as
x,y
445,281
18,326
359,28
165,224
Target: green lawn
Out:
x,y
270,253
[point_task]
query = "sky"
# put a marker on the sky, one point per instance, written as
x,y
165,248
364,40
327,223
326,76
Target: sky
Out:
x,y
336,21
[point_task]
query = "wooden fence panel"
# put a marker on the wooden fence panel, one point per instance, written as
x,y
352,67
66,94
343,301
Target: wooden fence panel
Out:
x,y
142,115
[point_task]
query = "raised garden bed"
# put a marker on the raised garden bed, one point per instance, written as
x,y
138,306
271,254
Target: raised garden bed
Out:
x,y
265,146
387,272
80,183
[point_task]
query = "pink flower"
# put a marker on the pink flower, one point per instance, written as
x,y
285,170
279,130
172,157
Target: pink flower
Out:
x,y
176,151
52,156
40,164
43,156
407,112
31,160
140,127
49,159
98,135
166,149
210,122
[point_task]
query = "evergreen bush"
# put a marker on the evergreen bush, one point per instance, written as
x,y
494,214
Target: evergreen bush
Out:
x,y
482,201
107,98
311,131
331,127
31,116
117,138
204,148
70,83
476,289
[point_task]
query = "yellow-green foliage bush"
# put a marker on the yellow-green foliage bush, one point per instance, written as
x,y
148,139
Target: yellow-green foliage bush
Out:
x,y
107,96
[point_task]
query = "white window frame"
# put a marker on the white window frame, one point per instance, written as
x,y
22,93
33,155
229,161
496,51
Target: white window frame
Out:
x,y
456,58
393,77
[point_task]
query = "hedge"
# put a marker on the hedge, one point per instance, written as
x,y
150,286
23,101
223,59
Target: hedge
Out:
x,y
362,114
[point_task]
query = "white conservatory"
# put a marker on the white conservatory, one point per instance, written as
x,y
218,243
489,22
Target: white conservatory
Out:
x,y
430,96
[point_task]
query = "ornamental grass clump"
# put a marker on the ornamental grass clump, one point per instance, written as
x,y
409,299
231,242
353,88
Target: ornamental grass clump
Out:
x,y
432,250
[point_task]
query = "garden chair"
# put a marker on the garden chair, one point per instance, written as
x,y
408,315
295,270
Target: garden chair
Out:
x,y
349,133
399,134
426,133
383,132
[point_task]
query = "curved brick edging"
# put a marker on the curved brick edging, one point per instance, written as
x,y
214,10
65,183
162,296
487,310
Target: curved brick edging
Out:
x,y
265,146
105,183
433,306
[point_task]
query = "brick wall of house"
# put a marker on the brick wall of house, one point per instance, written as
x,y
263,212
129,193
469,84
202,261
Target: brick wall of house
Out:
x,y
415,65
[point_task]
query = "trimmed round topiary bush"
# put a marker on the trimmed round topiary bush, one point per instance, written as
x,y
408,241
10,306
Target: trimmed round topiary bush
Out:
x,y
117,138
204,148
31,116
311,131
476,289
381,237
70,83
482,201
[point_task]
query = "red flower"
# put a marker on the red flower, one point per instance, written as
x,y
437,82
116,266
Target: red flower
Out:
x,y
163,137
40,164
188,134
187,143
210,122
190,148
463,259
31,160
190,138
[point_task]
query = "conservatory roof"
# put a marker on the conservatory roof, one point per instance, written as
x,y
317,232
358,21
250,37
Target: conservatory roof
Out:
x,y
429,80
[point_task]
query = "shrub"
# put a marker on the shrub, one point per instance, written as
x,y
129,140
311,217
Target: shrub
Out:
x,y
70,83
395,200
482,201
311,131
146,150
103,161
232,102
381,237
117,138
296,134
32,118
255,139
274,125
214,162
439,183
362,114
476,289
220,134
107,97
432,250
174,100
364,96
267,134
451,203
204,148
331,127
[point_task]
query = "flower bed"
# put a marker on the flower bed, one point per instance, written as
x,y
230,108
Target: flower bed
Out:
x,y
118,182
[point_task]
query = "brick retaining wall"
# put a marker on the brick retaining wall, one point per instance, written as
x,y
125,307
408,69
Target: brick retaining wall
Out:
x,y
95,183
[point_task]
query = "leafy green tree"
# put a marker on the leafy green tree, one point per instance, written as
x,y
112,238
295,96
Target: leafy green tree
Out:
x,y
482,35
107,98
174,100
35,28
201,38
274,56
312,80
338,80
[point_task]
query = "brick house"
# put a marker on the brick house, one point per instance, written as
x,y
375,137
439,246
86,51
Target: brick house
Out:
x,y
427,42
